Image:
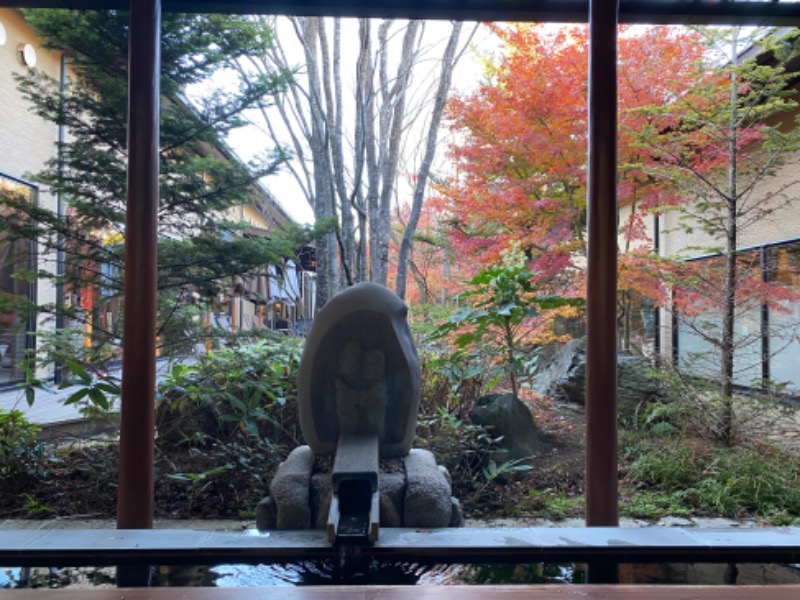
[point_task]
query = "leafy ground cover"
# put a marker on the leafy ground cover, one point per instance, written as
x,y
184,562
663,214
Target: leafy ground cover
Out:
x,y
226,422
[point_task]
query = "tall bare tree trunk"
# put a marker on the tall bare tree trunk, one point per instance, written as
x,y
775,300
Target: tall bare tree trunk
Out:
x,y
391,120
449,61
355,189
324,195
364,103
729,299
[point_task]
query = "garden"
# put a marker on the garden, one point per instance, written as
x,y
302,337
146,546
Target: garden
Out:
x,y
225,422
488,248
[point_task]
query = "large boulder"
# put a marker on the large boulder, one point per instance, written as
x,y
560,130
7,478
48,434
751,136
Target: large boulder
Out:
x,y
563,376
507,416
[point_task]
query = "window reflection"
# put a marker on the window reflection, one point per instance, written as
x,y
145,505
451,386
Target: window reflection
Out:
x,y
14,255
699,332
784,364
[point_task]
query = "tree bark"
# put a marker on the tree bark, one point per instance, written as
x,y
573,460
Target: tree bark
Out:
x,y
729,297
449,61
324,198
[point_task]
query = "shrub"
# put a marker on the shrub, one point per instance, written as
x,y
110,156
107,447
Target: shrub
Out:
x,y
235,393
671,464
450,381
742,479
726,481
463,448
20,450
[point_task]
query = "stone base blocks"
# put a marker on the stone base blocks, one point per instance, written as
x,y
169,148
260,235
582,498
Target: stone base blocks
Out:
x,y
413,492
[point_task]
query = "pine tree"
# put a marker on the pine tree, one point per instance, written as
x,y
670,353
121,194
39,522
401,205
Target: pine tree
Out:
x,y
199,248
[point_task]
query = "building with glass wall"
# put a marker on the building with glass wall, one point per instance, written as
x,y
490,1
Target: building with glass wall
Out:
x,y
27,143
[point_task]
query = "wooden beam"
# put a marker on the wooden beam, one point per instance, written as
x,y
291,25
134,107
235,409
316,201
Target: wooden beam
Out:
x,y
447,592
601,285
696,12
601,279
137,420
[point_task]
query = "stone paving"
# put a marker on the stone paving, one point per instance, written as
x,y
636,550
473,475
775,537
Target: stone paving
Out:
x,y
49,409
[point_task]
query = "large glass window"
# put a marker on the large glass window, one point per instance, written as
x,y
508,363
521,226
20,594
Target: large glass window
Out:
x,y
769,332
14,256
784,325
747,326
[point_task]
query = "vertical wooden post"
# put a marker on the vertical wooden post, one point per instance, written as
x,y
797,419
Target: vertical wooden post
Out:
x,y
135,492
601,288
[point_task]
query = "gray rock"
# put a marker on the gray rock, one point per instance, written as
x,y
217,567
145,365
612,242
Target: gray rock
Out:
x,y
505,415
392,487
456,514
266,514
290,489
320,495
563,376
446,474
428,495
556,371
674,522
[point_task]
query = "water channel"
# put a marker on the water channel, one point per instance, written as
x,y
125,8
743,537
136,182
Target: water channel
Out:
x,y
328,573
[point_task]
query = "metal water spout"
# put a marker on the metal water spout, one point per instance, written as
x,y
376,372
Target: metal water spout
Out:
x,y
354,515
358,394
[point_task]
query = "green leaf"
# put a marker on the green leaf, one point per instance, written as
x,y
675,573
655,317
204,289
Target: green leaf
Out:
x,y
77,369
465,339
76,396
98,398
109,388
30,395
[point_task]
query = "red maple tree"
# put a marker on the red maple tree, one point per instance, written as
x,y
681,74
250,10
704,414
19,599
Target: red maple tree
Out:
x,y
520,160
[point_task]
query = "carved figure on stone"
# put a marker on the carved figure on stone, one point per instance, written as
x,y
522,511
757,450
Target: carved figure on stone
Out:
x,y
358,397
358,354
362,396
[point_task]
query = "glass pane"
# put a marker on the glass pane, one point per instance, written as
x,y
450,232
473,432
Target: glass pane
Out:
x,y
697,354
13,256
700,331
784,364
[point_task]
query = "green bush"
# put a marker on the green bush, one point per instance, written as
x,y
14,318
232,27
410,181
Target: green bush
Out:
x,y
671,464
20,451
235,393
763,481
463,448
721,480
652,506
452,382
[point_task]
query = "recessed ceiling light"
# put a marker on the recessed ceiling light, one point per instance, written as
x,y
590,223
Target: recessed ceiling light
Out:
x,y
2,35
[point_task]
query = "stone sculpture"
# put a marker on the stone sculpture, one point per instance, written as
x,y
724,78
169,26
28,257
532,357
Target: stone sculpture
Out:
x,y
358,396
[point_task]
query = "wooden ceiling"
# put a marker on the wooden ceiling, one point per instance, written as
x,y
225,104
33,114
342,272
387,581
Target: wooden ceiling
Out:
x,y
755,12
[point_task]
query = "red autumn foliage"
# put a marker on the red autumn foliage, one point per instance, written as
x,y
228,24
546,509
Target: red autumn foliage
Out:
x,y
520,179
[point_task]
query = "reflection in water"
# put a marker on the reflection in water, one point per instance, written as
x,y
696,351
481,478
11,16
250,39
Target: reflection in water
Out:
x,y
328,573
380,573
301,574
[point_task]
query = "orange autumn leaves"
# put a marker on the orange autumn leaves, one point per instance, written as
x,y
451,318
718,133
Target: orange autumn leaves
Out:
x,y
519,163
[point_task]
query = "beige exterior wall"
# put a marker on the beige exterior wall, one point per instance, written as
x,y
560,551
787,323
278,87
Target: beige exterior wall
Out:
x,y
783,224
27,141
